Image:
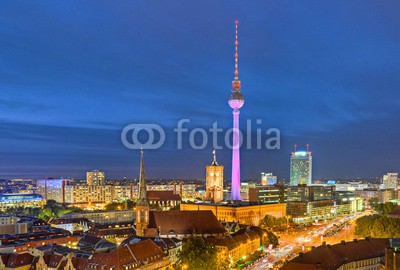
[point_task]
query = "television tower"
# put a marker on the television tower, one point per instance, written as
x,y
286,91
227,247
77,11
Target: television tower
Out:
x,y
236,101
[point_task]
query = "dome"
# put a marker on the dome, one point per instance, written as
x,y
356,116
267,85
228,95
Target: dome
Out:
x,y
236,95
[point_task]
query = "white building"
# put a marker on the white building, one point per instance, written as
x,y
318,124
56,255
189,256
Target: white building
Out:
x,y
390,180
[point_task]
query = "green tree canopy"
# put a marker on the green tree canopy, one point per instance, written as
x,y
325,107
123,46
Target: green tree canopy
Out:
x,y
384,208
196,254
378,226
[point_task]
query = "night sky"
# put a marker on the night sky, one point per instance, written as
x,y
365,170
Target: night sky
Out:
x,y
74,73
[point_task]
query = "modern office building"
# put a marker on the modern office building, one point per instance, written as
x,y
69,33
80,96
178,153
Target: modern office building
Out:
x,y
14,200
303,193
351,186
268,179
214,181
95,178
301,168
310,203
383,195
390,180
52,189
268,194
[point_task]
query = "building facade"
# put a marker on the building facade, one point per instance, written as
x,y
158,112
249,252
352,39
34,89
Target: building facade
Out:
x,y
95,178
9,201
78,194
390,180
268,194
301,168
250,214
52,189
103,217
268,179
214,181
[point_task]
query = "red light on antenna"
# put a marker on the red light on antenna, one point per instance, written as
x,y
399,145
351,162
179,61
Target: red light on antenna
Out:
x,y
236,22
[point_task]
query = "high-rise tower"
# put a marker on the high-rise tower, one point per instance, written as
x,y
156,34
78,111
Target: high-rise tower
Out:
x,y
142,204
236,101
215,181
301,167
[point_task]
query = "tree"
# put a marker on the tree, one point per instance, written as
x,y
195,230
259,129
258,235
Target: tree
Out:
x,y
270,222
378,226
271,239
373,201
196,254
384,208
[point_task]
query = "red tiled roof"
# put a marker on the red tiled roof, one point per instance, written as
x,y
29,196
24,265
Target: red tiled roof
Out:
x,y
234,240
332,257
52,260
80,263
164,195
185,222
131,254
17,260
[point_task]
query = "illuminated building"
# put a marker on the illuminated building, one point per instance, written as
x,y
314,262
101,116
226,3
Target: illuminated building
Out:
x,y
244,213
304,193
268,179
301,168
103,217
239,244
14,200
78,194
95,178
308,203
214,181
164,200
52,189
390,180
383,195
268,194
351,186
142,204
236,101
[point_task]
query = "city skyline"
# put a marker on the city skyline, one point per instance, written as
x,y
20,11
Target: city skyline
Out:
x,y
316,73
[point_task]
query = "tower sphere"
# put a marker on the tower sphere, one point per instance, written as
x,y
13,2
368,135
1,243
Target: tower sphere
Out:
x,y
236,100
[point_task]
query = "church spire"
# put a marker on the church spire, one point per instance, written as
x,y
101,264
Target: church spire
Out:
x,y
214,163
142,198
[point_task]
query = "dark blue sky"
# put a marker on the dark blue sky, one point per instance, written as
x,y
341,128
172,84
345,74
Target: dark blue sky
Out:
x,y
74,73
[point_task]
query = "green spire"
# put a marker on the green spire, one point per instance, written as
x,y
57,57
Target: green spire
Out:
x,y
142,198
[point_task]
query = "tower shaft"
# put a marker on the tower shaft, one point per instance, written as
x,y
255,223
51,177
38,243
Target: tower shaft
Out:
x,y
236,157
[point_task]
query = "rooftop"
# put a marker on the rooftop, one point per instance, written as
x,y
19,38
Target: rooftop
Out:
x,y
332,257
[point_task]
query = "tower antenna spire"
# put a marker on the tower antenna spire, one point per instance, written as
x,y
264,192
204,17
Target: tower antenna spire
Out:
x,y
295,147
308,146
237,51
